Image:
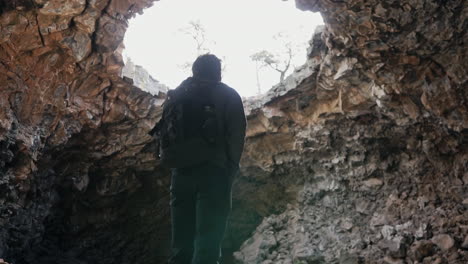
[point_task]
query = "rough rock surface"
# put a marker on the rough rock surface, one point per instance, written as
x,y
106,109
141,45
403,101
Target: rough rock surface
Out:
x,y
360,157
77,175
139,76
367,157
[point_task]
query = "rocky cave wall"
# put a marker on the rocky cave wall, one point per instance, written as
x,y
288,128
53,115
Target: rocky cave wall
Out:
x,y
367,144
75,154
359,157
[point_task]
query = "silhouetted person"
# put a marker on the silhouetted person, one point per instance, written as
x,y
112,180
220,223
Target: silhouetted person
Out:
x,y
201,137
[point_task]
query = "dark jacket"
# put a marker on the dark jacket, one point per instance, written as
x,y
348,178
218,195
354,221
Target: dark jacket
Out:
x,y
235,125
230,114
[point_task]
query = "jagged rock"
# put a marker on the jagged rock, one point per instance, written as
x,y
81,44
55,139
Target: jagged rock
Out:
x,y
421,249
349,259
63,7
98,4
87,21
465,202
257,247
443,241
390,260
465,243
50,24
360,87
373,183
140,77
20,30
110,33
78,44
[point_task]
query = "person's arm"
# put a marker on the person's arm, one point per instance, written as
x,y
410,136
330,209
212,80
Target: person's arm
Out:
x,y
235,128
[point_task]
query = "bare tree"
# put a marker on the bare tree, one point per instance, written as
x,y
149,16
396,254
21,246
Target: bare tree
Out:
x,y
266,58
257,69
278,61
197,32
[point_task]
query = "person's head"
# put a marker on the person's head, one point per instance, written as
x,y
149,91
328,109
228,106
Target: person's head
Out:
x,y
207,67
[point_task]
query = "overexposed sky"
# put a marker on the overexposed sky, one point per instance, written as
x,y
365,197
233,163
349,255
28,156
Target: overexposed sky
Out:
x,y
234,30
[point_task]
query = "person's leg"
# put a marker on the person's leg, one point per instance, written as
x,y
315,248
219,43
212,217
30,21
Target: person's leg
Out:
x,y
183,205
213,207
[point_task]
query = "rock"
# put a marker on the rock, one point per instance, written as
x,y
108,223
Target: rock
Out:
x,y
395,247
20,30
373,183
142,79
78,45
465,178
421,232
390,260
465,202
50,24
347,224
388,231
308,256
410,108
110,33
421,249
98,4
344,68
87,21
349,259
453,257
443,241
465,243
63,7
255,249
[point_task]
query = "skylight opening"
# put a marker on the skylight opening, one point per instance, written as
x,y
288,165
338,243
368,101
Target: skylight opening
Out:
x,y
251,37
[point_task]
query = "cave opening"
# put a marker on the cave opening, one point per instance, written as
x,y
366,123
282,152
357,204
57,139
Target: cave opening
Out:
x,y
161,43
245,35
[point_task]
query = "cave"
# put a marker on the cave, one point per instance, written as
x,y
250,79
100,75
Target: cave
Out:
x,y
360,156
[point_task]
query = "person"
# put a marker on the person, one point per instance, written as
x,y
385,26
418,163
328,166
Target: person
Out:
x,y
201,188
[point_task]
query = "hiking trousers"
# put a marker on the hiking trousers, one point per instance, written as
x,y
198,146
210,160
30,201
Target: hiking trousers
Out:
x,y
200,205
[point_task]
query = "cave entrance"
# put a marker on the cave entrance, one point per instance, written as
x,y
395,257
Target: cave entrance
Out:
x,y
251,37
167,38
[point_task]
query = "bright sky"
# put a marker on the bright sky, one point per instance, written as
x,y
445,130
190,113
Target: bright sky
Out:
x,y
234,30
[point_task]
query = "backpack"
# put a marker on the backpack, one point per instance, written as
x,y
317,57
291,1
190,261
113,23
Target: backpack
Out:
x,y
189,131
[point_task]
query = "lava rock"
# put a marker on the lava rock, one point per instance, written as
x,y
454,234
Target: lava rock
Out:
x,y
443,241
